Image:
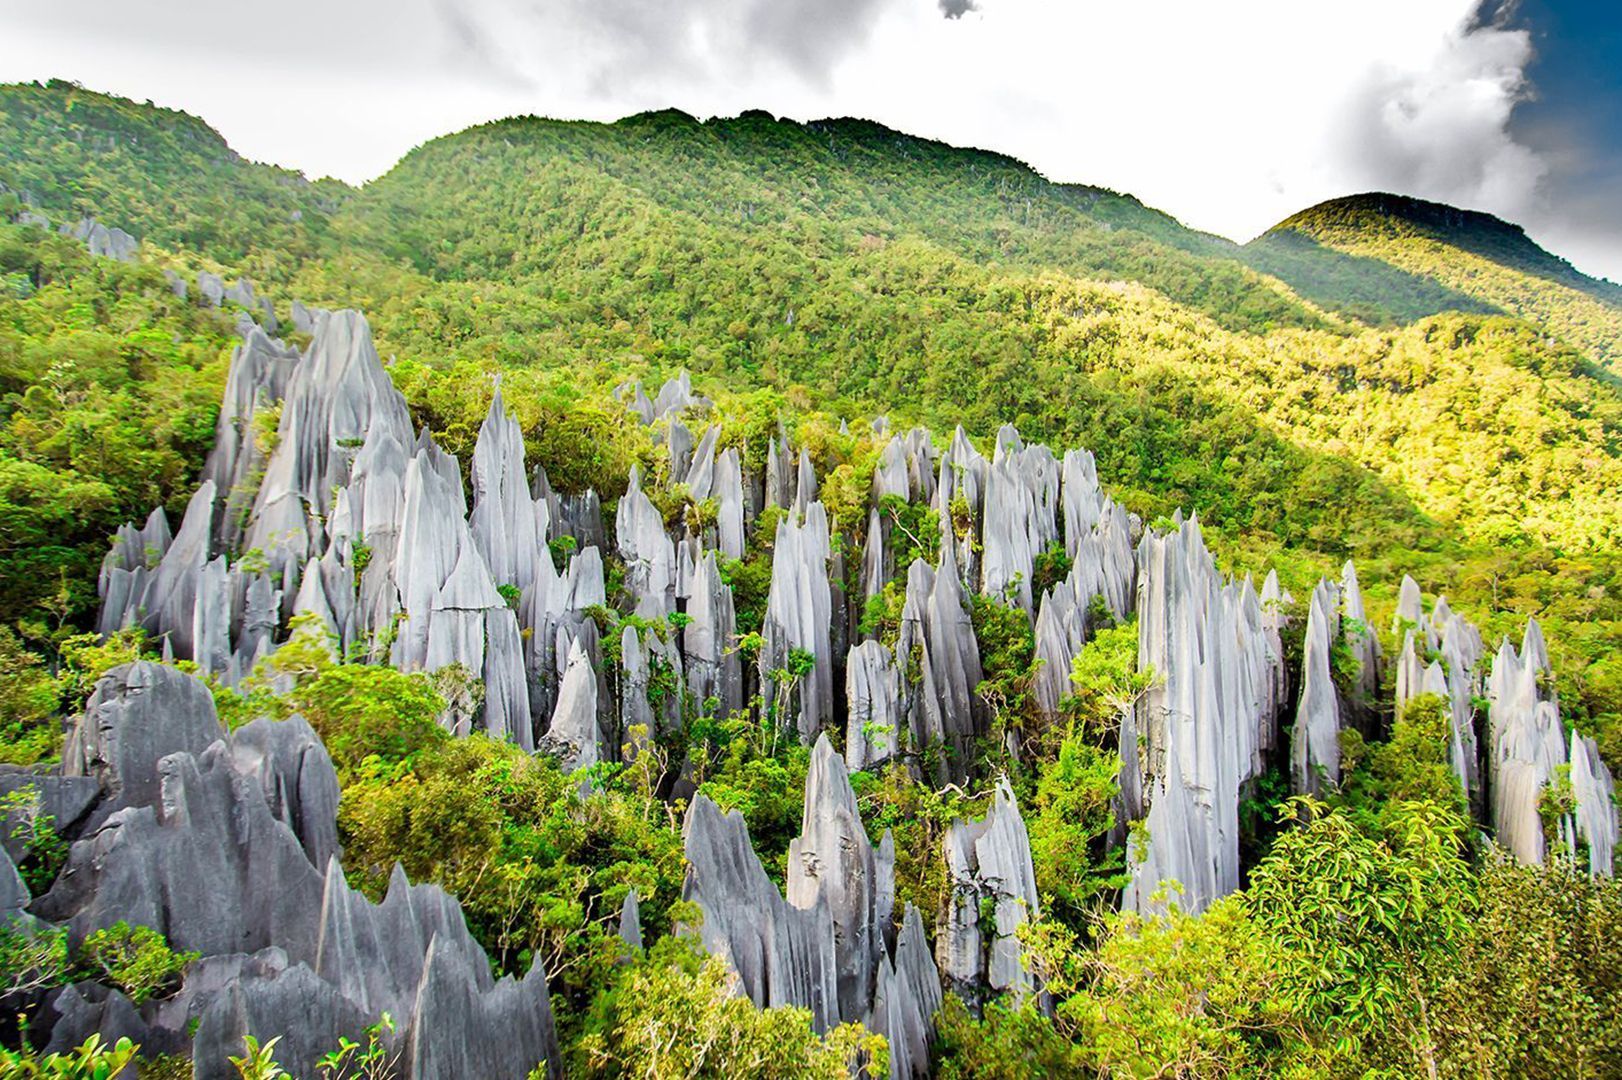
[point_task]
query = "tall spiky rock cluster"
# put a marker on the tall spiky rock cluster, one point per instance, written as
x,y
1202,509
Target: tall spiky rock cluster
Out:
x,y
227,842
1330,700
1442,653
1098,536
1201,732
1539,787
835,945
1539,795
318,500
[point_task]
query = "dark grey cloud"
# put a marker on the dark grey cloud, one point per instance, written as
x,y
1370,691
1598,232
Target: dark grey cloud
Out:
x,y
635,44
1442,130
956,9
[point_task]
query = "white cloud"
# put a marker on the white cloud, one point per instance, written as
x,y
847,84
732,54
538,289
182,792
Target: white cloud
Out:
x,y
1230,116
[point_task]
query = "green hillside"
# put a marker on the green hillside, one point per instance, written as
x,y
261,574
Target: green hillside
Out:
x,y
1419,255
841,266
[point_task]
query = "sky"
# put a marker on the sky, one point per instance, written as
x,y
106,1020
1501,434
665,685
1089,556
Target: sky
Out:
x,y
1231,116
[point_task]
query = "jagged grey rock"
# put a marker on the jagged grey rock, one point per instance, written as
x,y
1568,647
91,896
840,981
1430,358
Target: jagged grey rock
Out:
x,y
1528,746
799,613
730,505
832,864
711,659
960,494
906,997
137,715
988,863
236,859
14,896
1596,815
646,548
296,776
1199,730
873,697
631,920
1315,745
210,289
111,243
783,955
574,734
66,799
1364,647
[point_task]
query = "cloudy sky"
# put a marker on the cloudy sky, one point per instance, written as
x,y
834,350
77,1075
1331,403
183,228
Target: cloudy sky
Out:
x,y
1229,115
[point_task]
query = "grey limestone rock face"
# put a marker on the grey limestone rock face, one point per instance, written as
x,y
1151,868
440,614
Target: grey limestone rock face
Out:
x,y
953,653
873,698
210,289
339,404
988,865
631,920
649,554
86,1009
832,863
1061,633
210,866
1458,677
783,955
1364,647
1528,744
574,734
731,505
906,997
1596,815
960,500
296,776
137,715
779,472
242,294
710,656
308,1016
832,945
14,896
799,614
304,318
101,241
675,397
65,799
236,858
1018,521
1200,730
506,529
1315,745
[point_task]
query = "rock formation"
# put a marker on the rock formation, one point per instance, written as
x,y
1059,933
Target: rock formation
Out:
x,y
989,868
111,243
799,614
229,849
1198,735
1315,743
832,945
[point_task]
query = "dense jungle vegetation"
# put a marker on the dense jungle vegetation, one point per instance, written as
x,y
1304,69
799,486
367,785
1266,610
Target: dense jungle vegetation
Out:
x,y
1416,387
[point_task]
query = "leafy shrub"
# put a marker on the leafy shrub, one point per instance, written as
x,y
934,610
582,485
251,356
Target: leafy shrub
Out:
x,y
91,1060
679,1013
137,960
31,958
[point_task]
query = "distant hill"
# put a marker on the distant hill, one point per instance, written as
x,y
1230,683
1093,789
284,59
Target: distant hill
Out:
x,y
1395,258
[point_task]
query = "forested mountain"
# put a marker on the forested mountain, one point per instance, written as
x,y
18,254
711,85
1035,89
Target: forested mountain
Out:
x,y
1417,388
